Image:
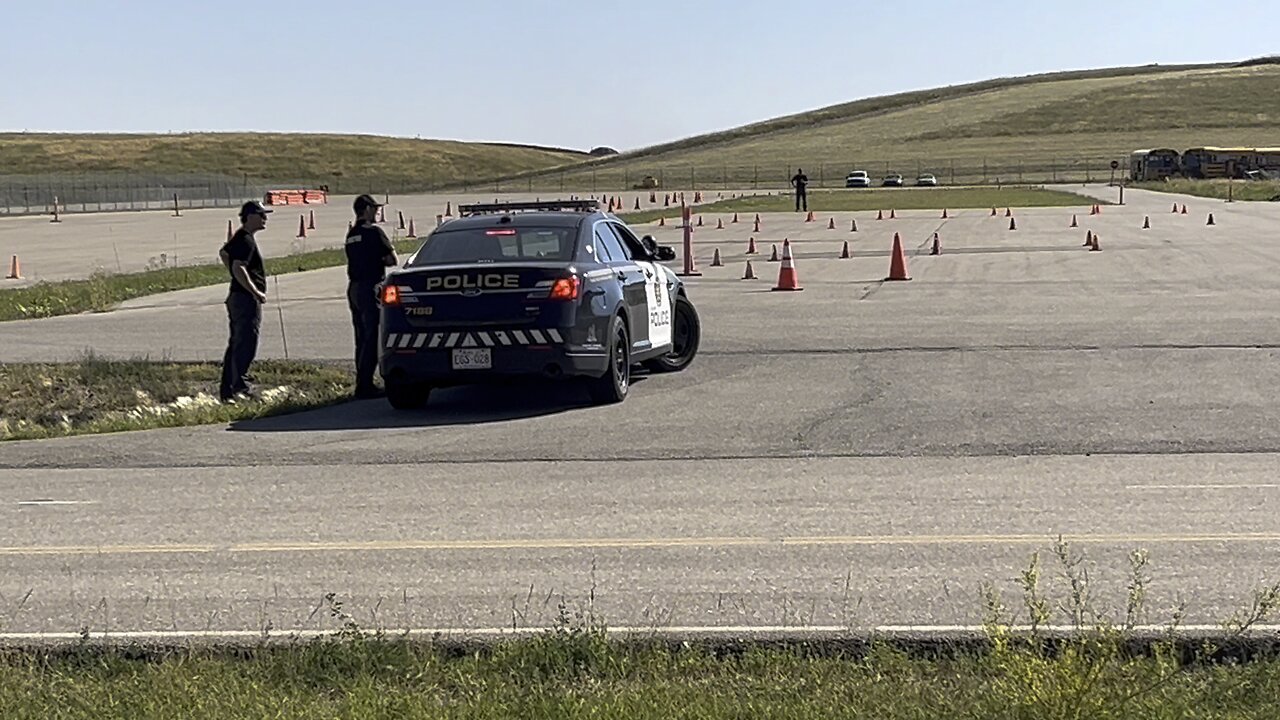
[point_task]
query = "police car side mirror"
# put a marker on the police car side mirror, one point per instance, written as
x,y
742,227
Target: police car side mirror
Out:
x,y
665,253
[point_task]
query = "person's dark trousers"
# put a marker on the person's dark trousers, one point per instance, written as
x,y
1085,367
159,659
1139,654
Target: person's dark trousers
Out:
x,y
364,319
802,197
245,315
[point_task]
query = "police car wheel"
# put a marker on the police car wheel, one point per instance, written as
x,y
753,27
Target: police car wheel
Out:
x,y
407,396
686,333
612,387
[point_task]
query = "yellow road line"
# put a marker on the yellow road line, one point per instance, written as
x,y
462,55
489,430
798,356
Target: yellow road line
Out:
x,y
641,543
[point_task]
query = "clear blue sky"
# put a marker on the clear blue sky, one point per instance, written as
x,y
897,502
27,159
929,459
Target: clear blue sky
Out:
x,y
575,74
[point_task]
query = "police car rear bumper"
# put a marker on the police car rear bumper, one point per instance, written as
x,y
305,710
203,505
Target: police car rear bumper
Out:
x,y
440,366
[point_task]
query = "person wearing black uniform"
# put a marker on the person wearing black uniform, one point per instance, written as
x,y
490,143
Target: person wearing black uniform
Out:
x,y
369,253
801,182
244,302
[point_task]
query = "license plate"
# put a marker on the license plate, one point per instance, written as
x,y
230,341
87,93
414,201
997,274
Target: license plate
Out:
x,y
472,359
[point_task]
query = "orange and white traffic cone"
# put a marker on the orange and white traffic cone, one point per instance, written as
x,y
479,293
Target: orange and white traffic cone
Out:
x,y
413,234
719,223
15,269
715,259
831,224
898,261
302,226
1013,223
1094,246
751,246
1073,221
844,251
774,256
937,245
749,274
853,225
1146,222
788,279
1210,219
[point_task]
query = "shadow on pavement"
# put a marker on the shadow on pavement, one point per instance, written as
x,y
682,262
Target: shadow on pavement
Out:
x,y
467,405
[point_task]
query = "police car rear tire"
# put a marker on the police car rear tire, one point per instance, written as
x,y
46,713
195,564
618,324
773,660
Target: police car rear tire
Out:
x,y
408,396
686,333
612,387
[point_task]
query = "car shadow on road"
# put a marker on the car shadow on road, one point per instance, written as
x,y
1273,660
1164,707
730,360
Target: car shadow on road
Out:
x,y
466,405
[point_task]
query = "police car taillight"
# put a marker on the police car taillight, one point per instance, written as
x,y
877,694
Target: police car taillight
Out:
x,y
566,288
390,295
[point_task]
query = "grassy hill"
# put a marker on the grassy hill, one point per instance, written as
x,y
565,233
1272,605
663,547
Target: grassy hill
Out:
x,y
370,163
1036,128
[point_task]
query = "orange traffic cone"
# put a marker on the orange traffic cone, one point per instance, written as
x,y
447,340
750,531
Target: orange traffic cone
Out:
x,y
757,218
853,225
879,214
715,259
787,277
311,220
1073,220
749,274
735,219
400,219
1210,219
751,247
944,213
719,223
382,214
15,269
1013,223
809,218
844,252
1094,246
302,226
413,234
893,214
993,212
662,222
831,224
699,221
228,230
666,200
774,256
1175,208
637,203
448,209
1008,212
1088,238
756,227
937,245
653,196
898,263
1184,209
1146,222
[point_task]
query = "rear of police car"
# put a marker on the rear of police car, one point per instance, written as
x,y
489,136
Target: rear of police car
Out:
x,y
489,296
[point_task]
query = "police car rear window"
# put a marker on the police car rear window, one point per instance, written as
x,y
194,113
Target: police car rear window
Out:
x,y
495,245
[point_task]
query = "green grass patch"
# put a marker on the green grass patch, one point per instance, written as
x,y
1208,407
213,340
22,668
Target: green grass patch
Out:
x,y
1253,190
872,199
103,291
94,395
347,163
585,675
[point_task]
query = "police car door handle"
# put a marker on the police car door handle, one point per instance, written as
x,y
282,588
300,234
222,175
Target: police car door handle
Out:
x,y
622,275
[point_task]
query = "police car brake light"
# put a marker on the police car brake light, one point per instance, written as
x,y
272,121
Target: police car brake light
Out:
x,y
390,295
505,231
566,288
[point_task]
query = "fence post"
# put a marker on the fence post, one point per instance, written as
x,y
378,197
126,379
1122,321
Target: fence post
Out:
x,y
985,177
693,179
953,172
755,177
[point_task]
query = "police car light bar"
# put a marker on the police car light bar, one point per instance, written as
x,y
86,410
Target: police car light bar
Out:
x,y
544,206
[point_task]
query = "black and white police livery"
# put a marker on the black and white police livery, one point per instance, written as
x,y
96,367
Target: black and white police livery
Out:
x,y
559,290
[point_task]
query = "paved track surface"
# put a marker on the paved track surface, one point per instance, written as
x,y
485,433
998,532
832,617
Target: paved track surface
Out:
x,y
859,453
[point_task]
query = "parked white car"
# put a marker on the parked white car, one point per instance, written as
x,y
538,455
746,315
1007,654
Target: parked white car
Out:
x,y
857,179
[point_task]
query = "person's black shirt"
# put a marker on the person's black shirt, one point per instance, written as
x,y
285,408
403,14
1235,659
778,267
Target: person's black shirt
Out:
x,y
367,245
800,181
244,248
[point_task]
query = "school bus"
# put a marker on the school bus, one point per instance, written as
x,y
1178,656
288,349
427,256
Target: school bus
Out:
x,y
1153,164
1218,162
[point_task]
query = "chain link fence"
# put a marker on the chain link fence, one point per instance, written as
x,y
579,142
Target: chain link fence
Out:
x,y
121,192
825,173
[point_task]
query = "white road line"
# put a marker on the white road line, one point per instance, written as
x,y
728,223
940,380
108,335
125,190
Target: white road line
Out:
x,y
706,630
1224,486
57,502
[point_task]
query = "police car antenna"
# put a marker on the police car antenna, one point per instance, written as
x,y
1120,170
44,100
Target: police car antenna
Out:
x,y
538,206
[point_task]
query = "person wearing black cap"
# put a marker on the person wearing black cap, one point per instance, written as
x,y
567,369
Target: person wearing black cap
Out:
x,y
369,254
248,292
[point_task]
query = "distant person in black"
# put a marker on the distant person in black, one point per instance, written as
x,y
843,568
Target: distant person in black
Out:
x,y
248,292
801,182
369,254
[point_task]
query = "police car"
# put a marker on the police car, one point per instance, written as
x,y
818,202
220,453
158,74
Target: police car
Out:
x,y
557,290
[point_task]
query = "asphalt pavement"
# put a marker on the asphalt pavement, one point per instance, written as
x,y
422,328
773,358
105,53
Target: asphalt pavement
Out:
x,y
861,453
